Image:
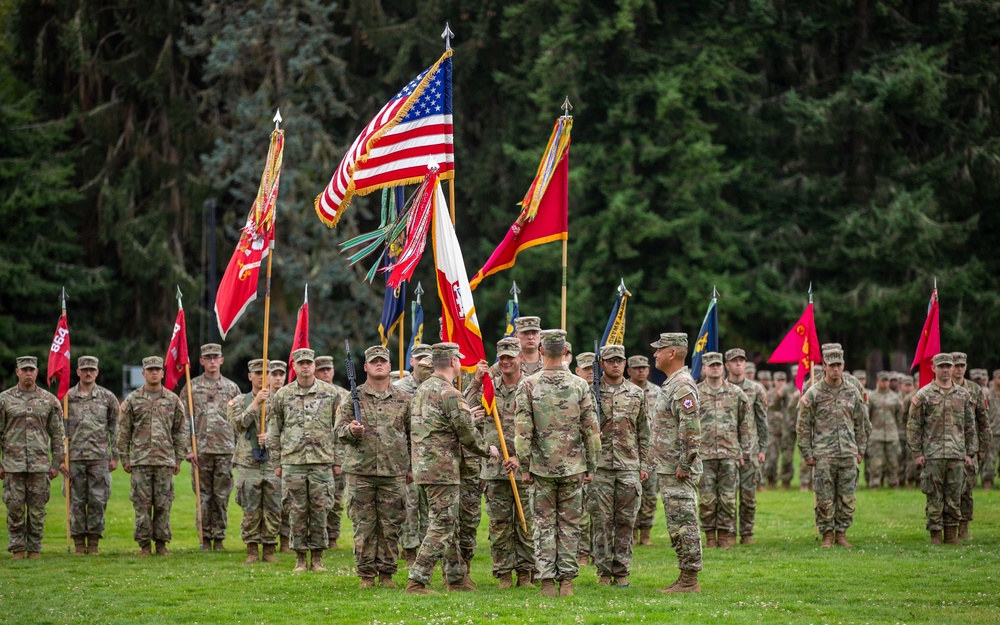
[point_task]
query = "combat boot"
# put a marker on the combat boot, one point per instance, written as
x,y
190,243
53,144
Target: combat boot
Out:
x,y
841,540
987,484
582,560
284,548
505,581
688,582
206,544
605,580
17,555
524,579
34,555
144,550
549,588
413,587
711,542
827,540
161,548
465,585
300,562
635,536
566,588
951,535
644,538
79,545
747,540
218,545
367,582
252,555
963,530
268,555
935,537
385,581
317,560
92,543
726,540
621,582
410,556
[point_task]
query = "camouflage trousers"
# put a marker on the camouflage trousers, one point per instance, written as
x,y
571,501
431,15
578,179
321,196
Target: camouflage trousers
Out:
x,y
215,471
152,494
680,506
511,546
258,492
25,495
615,497
990,461
90,489
909,472
307,489
441,541
377,509
717,495
337,505
943,481
585,528
835,481
558,510
769,472
787,465
647,508
883,463
470,513
415,525
749,480
971,479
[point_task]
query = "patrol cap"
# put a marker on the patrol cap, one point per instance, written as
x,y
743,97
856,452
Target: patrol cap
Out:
x,y
711,358
553,337
528,324
671,339
446,349
613,351
906,378
211,349
996,373
585,360
324,362
764,375
826,346
833,356
276,365
959,358
750,368
152,362
978,374
860,374
27,362
422,349
634,362
780,376
256,365
304,354
734,353
882,375
943,359
376,351
87,362
508,346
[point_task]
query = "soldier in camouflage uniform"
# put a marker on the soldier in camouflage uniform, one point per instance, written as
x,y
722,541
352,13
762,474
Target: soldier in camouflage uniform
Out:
x,y
993,407
941,435
376,447
325,371
300,440
152,441
585,370
725,448
92,428
511,545
886,410
736,361
528,333
558,445
440,426
908,472
776,409
788,437
638,371
616,490
675,457
415,526
750,372
832,439
984,437
258,489
216,443
31,442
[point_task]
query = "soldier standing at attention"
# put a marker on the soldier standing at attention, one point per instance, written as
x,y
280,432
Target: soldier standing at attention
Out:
x,y
216,444
376,447
832,440
750,372
993,406
736,362
92,429
907,470
764,379
440,426
616,490
151,443
300,441
788,436
585,370
725,447
410,383
31,441
415,526
325,371
984,436
941,434
529,331
258,489
883,446
638,372
676,444
558,444
775,398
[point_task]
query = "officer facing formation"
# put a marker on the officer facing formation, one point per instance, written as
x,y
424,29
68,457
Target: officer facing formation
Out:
x,y
638,372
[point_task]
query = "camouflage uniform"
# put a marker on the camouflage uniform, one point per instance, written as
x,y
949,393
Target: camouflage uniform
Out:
x,y
92,427
941,428
616,492
984,436
647,508
776,410
883,445
788,436
415,526
376,465
258,489
152,438
441,426
31,433
750,471
216,444
909,473
990,462
584,360
557,441
338,484
725,440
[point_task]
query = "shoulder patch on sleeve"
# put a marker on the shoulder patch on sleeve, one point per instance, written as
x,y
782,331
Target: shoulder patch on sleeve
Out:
x,y
804,400
121,406
688,404
915,401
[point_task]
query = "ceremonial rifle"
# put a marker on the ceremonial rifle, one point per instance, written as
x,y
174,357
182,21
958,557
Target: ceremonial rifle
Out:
x,y
352,378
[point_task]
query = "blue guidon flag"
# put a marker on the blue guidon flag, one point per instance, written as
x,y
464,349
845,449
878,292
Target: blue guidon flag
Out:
x,y
708,338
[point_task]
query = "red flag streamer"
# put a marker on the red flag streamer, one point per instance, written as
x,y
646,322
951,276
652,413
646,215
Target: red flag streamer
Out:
x,y
177,353
301,338
930,341
58,366
800,345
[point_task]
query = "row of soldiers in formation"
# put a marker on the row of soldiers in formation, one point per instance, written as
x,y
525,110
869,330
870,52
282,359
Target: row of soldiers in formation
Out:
x,y
415,457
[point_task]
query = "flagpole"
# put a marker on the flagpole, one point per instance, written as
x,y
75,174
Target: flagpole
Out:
x,y
447,35
66,477
267,290
812,369
566,108
194,439
402,345
506,456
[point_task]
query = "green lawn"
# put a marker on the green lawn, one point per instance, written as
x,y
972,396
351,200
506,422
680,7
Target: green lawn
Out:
x,y
892,576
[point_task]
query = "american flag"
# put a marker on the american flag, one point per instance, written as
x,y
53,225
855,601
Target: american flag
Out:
x,y
394,148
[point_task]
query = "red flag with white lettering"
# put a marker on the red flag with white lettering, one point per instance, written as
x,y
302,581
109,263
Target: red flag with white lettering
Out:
x,y
58,366
177,353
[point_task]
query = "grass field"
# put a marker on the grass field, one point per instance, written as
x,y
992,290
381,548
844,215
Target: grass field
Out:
x,y
892,576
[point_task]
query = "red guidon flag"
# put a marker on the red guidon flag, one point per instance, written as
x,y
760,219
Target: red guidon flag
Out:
x,y
930,342
800,345
177,353
301,338
58,366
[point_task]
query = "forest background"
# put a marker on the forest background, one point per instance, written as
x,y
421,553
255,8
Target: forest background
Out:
x,y
755,146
